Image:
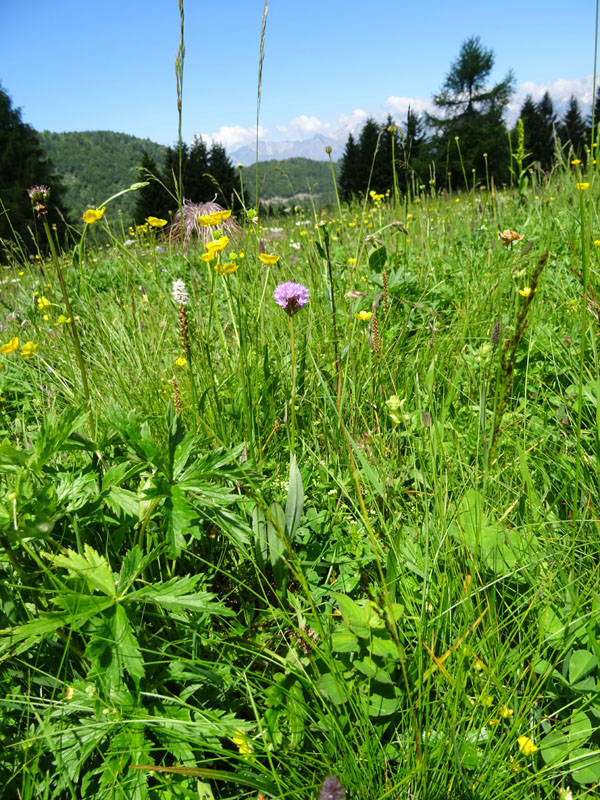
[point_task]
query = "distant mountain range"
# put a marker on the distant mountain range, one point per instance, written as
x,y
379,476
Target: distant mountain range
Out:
x,y
313,148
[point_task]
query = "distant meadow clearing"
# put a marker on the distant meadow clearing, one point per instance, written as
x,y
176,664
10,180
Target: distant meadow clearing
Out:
x,y
306,506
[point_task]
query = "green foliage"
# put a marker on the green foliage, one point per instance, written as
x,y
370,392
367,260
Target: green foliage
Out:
x,y
408,601
23,164
93,165
472,111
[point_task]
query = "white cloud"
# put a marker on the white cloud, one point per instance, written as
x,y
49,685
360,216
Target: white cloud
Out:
x,y
560,91
400,105
234,136
307,126
351,123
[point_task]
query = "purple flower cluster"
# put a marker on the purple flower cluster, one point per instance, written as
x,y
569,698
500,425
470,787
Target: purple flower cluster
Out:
x,y
332,789
291,296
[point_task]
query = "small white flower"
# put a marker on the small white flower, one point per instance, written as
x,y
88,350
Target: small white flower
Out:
x,y
295,245
180,293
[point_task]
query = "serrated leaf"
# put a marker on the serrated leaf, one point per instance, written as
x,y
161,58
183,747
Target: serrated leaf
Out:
x,y
90,566
127,647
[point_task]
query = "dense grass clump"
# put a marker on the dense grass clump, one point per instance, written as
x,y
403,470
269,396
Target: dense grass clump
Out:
x,y
341,544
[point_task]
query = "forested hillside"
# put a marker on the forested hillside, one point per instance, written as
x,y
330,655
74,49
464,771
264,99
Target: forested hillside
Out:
x,y
94,165
292,177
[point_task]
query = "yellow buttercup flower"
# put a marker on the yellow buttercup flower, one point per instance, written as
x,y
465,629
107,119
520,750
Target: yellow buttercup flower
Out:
x,y
10,347
352,260
62,320
582,186
181,361
93,215
226,269
526,746
156,222
364,316
208,257
28,349
526,291
268,258
43,303
506,712
242,744
217,244
576,161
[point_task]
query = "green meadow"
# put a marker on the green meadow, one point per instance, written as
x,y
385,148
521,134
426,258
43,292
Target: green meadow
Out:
x,y
306,506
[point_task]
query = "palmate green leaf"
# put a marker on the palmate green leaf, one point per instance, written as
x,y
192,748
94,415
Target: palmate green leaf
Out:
x,y
12,459
180,515
55,432
178,594
113,649
126,645
90,566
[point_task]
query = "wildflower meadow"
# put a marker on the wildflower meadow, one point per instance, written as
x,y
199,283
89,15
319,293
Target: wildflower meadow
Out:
x,y
305,507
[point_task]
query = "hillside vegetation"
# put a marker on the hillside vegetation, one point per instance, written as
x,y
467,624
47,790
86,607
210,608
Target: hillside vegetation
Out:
x,y
94,165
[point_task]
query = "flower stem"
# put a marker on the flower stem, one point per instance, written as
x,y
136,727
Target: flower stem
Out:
x,y
73,323
293,398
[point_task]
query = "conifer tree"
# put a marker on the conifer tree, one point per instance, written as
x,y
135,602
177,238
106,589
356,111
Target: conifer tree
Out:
x,y
390,150
472,111
198,186
224,179
348,181
573,128
593,119
544,146
153,200
413,149
23,165
369,156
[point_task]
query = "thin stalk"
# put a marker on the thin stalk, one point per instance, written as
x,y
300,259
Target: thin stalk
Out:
x,y
293,397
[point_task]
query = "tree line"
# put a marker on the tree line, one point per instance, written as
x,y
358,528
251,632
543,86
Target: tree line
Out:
x,y
467,140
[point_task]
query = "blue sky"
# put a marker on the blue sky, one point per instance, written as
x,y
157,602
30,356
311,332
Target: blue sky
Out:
x,y
328,63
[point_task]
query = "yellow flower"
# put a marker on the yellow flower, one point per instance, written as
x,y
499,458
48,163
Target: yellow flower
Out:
x,y
526,291
526,746
352,260
43,303
596,242
576,161
156,222
582,186
268,258
62,320
93,215
364,316
242,744
217,244
10,347
181,361
226,269
28,349
21,272
208,257
505,712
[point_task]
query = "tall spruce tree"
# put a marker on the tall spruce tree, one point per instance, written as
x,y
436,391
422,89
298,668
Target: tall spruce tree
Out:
x,y
572,128
369,156
544,146
153,200
348,181
224,178
472,111
22,165
198,186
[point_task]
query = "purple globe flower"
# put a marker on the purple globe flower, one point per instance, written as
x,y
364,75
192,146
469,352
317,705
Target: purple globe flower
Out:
x,y
291,296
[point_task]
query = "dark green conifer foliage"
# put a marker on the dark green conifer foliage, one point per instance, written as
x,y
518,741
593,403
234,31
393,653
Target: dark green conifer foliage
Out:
x,y
224,178
348,181
594,118
390,148
414,155
22,165
544,146
533,128
472,110
153,200
369,157
573,128
171,171
198,187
